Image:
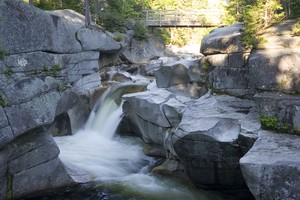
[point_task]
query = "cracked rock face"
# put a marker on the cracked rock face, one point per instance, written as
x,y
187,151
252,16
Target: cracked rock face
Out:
x,y
272,167
201,134
51,63
206,141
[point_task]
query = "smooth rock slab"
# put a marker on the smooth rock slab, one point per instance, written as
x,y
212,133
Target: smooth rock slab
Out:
x,y
47,176
272,167
37,30
37,112
275,70
33,164
27,88
97,40
148,105
171,74
223,40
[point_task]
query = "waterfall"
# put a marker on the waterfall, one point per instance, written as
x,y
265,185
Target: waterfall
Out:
x,y
93,148
107,112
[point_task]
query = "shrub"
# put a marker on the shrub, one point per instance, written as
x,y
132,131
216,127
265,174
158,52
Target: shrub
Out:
x,y
272,123
9,72
140,31
296,29
164,34
118,37
55,69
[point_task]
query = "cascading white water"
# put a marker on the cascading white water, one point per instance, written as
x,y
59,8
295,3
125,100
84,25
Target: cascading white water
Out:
x,y
93,148
116,160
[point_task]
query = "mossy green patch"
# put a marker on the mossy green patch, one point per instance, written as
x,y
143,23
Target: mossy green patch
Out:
x,y
272,123
3,100
9,193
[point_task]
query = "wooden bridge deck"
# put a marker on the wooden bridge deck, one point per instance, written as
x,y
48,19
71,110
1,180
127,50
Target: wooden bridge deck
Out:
x,y
187,18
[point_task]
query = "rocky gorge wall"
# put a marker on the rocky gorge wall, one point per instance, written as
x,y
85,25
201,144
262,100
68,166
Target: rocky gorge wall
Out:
x,y
217,139
49,73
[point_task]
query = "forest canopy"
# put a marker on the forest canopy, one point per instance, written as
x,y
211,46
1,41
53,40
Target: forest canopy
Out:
x,y
115,15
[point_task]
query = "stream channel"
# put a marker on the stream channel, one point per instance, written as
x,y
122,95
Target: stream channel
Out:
x,y
116,164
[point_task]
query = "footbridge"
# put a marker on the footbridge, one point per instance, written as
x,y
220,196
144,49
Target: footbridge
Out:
x,y
184,18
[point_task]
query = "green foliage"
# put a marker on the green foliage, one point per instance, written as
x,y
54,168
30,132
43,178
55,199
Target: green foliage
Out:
x,y
291,8
3,100
118,37
2,55
59,4
296,29
256,16
45,69
114,15
55,68
9,193
140,31
9,72
272,123
164,34
2,52
62,87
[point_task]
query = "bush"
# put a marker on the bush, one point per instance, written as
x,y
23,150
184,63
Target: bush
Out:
x,y
164,34
118,37
296,29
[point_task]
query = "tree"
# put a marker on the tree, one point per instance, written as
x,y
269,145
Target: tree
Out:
x,y
257,16
88,18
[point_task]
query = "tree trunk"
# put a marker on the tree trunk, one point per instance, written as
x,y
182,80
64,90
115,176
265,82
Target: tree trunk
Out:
x,y
87,14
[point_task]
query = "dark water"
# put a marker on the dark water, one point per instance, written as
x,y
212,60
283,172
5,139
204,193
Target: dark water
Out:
x,y
99,191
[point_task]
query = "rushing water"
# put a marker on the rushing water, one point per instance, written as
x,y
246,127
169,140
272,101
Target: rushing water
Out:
x,y
118,163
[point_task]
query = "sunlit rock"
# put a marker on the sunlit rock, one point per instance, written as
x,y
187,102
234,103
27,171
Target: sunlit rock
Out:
x,y
206,141
275,70
271,168
223,40
97,39
37,30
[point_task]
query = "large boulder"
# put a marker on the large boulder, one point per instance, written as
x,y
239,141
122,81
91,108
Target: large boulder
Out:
x,y
272,167
270,67
179,72
275,70
141,51
226,61
225,40
37,30
97,39
33,165
145,110
206,141
59,31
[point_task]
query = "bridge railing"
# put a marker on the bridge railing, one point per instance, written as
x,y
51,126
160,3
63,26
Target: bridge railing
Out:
x,y
175,18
